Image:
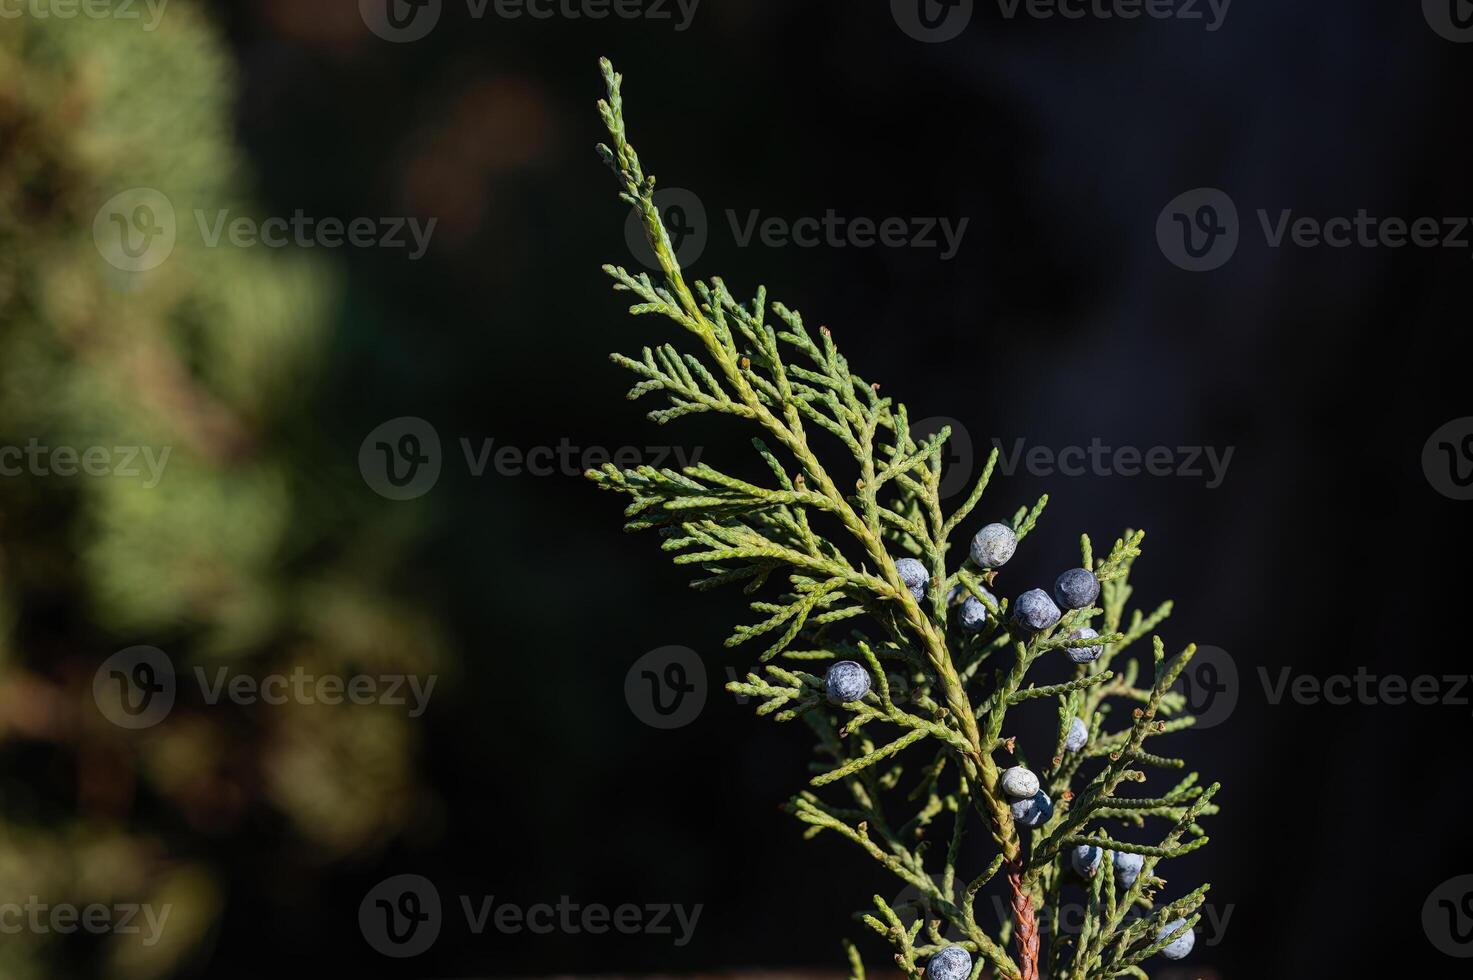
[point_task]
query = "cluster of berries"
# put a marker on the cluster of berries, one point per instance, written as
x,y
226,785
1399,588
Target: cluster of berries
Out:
x,y
1031,806
955,963
1034,610
1086,859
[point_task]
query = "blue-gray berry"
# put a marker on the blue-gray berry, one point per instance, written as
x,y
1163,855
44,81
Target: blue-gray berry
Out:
x,y
846,681
1086,858
1034,610
1077,588
952,963
1085,655
914,575
1181,945
972,614
1019,782
994,545
1128,867
1034,811
1077,736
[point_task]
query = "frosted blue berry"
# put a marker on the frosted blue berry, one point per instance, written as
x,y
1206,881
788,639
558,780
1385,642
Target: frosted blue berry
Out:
x,y
1086,858
952,963
1085,655
972,614
962,595
1078,735
994,545
1181,945
1019,783
1034,811
914,575
1128,867
846,681
1034,610
1077,588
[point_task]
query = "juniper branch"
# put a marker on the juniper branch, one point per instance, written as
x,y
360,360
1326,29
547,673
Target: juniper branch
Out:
x,y
927,680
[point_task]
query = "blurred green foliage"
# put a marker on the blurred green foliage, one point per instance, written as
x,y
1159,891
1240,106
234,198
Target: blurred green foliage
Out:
x,y
259,548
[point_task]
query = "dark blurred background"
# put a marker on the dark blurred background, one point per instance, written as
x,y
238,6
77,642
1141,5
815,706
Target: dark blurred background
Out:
x,y
1061,318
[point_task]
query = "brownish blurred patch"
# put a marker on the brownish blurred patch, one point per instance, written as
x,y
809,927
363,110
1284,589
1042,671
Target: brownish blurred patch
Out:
x,y
324,23
493,127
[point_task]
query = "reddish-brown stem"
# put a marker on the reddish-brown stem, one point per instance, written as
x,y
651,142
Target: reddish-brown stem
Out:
x,y
1025,923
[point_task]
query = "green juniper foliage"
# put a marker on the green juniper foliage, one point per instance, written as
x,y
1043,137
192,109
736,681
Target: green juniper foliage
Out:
x,y
940,695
